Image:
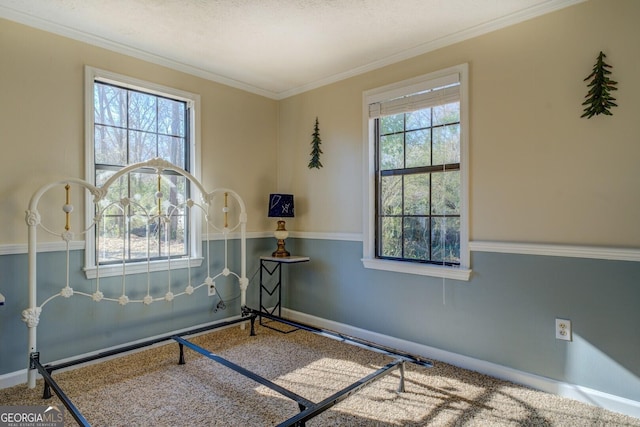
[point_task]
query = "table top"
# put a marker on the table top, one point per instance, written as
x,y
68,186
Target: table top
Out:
x,y
286,259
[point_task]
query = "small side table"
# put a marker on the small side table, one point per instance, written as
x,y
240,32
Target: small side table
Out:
x,y
272,265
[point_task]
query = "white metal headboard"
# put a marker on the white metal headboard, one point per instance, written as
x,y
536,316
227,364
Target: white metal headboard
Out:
x,y
31,315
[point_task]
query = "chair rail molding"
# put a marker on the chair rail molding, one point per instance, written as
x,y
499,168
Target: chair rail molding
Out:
x,y
568,251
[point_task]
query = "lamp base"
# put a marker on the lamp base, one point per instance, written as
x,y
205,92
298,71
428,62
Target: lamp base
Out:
x,y
281,251
281,234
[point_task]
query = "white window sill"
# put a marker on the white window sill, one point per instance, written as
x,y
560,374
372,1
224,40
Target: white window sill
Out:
x,y
457,273
142,267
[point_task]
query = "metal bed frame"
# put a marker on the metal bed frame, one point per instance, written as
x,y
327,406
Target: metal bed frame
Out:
x,y
308,408
31,315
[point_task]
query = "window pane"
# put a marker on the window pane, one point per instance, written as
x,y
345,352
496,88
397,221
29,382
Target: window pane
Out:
x,y
142,146
391,195
416,194
183,188
171,115
112,227
418,148
110,146
109,105
391,152
143,190
112,235
391,124
118,189
416,238
141,246
174,190
446,144
172,150
446,240
419,119
449,113
102,176
391,237
445,193
172,239
142,111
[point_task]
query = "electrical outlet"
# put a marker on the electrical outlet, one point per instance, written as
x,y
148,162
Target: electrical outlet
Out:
x,y
212,289
563,330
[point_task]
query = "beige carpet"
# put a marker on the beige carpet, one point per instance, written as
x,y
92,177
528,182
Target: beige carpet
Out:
x,y
150,389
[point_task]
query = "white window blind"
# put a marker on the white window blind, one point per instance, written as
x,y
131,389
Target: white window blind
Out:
x,y
439,91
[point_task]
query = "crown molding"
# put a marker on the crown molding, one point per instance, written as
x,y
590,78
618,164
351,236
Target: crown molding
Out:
x,y
61,30
515,18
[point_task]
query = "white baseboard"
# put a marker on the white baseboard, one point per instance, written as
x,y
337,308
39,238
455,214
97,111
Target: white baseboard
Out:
x,y
583,394
13,378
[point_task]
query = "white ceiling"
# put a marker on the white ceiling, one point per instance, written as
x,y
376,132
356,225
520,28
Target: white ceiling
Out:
x,y
275,48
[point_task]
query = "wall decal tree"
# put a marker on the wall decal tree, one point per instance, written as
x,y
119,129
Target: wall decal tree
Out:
x,y
599,99
315,151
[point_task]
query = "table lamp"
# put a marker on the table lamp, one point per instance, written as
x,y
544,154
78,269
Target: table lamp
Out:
x,y
281,206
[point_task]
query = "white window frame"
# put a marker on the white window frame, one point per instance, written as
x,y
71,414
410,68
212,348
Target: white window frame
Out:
x,y
393,91
195,226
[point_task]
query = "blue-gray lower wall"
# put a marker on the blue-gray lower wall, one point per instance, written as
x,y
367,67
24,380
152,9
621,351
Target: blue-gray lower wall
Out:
x,y
505,314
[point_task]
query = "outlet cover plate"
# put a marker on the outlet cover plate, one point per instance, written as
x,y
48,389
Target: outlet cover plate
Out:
x,y
563,329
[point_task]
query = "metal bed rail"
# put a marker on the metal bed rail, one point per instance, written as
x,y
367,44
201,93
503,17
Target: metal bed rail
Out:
x,y
47,370
342,337
309,412
50,383
302,402
308,409
334,399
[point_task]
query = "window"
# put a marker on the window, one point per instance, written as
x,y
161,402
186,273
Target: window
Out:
x,y
416,205
130,121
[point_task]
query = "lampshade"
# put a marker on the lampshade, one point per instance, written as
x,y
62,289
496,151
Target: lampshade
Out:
x,y
281,205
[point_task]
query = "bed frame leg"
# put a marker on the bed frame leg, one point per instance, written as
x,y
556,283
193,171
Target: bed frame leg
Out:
x,y
302,408
253,324
34,362
181,359
401,385
46,392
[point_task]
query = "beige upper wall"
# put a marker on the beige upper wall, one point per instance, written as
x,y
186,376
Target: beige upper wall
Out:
x,y
539,173
42,123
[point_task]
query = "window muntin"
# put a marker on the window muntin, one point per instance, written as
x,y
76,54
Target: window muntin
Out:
x,y
132,126
419,185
